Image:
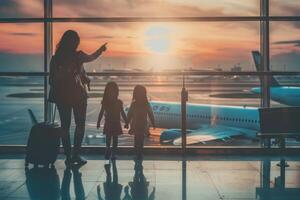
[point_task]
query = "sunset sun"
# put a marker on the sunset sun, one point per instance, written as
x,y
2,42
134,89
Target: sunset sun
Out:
x,y
157,39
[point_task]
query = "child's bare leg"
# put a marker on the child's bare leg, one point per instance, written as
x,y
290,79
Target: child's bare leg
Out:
x,y
114,147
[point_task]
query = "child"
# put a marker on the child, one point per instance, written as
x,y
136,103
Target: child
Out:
x,y
112,108
137,115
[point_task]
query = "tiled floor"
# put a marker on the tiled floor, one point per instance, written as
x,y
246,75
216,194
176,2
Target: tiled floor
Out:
x,y
209,178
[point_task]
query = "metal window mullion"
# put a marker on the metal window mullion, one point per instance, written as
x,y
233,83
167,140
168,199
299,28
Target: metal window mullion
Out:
x,y
265,53
149,19
47,54
265,61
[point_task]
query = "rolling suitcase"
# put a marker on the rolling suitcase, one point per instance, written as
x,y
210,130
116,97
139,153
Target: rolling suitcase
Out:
x,y
43,143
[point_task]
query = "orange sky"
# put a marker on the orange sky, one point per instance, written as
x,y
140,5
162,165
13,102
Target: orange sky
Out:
x,y
194,44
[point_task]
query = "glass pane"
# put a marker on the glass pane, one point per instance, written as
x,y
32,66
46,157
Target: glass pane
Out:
x,y
21,8
18,94
285,46
21,47
222,111
168,46
285,8
154,8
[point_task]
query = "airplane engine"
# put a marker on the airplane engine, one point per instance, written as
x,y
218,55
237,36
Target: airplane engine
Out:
x,y
169,135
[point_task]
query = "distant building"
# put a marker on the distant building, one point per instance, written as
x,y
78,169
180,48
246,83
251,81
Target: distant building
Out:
x,y
236,68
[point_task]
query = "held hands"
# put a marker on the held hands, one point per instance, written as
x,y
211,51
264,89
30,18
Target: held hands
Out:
x,y
103,47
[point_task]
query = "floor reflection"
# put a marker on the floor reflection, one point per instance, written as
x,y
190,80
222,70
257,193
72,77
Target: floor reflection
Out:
x,y
77,182
137,189
279,189
42,183
140,187
112,188
261,179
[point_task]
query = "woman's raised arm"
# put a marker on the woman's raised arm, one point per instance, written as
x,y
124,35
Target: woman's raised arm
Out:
x,y
83,57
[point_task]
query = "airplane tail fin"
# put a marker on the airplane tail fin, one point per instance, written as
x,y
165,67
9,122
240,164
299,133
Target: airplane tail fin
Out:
x,y
256,58
32,117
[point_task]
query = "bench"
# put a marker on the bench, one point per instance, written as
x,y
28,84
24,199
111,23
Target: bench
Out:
x,y
279,123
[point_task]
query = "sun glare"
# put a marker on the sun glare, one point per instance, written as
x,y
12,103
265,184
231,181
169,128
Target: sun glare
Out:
x,y
157,39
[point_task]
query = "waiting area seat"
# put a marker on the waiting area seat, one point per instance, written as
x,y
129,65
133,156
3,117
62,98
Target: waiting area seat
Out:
x,y
279,123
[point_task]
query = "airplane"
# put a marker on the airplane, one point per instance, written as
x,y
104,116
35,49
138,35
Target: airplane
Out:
x,y
205,122
288,95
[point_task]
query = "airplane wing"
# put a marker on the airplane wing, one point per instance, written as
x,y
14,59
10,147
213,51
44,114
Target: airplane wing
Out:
x,y
211,133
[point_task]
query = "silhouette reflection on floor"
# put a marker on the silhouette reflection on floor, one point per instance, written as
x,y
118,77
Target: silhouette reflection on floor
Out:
x,y
44,183
137,189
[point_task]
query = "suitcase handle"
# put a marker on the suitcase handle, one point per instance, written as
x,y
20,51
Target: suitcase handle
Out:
x,y
54,113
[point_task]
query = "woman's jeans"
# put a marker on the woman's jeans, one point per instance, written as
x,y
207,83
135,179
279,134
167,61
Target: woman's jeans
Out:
x,y
65,112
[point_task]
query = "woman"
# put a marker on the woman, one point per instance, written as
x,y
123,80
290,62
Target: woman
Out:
x,y
67,80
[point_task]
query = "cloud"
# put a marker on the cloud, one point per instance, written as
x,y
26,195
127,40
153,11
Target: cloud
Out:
x,y
23,34
294,42
285,8
102,37
21,8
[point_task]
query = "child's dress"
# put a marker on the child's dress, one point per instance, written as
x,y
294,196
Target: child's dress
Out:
x,y
138,117
112,125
